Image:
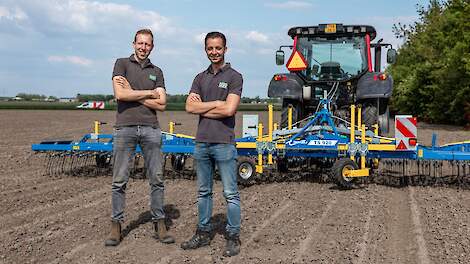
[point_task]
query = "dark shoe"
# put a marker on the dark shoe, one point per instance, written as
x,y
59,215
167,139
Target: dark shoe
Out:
x,y
200,239
161,232
232,246
114,237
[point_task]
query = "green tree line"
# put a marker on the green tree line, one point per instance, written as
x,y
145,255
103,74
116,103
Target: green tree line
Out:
x,y
432,73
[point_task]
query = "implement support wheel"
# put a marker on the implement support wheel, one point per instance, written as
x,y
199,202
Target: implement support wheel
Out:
x,y
245,170
340,167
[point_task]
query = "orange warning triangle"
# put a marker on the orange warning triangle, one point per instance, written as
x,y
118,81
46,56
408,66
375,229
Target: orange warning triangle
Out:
x,y
296,62
401,145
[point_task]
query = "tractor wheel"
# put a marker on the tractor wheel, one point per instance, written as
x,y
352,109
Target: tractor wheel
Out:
x,y
371,116
296,112
338,171
383,121
245,170
344,114
177,162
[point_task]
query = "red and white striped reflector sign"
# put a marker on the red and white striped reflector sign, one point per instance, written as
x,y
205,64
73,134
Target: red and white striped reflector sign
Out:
x,y
405,129
98,105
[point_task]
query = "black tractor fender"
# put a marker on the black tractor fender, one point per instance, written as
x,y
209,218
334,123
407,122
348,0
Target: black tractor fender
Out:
x,y
286,85
371,86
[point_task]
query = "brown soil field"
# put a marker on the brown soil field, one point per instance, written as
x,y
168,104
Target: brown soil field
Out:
x,y
65,219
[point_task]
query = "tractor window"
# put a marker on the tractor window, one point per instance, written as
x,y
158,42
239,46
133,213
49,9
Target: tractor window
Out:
x,y
337,59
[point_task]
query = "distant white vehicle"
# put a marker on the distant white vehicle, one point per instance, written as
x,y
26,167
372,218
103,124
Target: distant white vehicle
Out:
x,y
92,105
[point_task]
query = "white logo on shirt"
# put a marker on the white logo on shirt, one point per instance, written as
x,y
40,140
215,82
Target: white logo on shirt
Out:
x,y
223,85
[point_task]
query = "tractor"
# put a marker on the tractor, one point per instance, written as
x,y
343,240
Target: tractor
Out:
x,y
337,62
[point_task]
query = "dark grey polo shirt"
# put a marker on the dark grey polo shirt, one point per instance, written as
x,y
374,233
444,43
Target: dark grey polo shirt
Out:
x,y
141,77
212,87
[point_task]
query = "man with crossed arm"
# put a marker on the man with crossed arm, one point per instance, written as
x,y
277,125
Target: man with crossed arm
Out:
x,y
215,96
139,88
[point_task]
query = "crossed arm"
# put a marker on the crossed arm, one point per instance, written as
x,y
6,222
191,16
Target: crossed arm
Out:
x,y
213,109
154,99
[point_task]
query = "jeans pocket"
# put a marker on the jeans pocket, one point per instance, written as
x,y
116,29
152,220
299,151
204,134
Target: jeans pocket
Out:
x,y
200,151
224,152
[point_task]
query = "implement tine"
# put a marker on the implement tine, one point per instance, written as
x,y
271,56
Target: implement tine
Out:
x,y
47,160
97,169
57,164
72,161
51,163
65,157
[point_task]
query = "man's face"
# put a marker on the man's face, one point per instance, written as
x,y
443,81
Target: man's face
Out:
x,y
143,45
215,50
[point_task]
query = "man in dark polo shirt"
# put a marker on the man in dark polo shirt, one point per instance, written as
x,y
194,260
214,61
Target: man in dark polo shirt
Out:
x,y
139,88
214,96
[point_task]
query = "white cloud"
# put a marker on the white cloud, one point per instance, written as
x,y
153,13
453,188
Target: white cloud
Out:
x,y
290,5
257,37
76,60
15,14
85,16
199,38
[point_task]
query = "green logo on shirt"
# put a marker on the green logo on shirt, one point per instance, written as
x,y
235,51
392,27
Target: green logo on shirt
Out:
x,y
223,85
152,77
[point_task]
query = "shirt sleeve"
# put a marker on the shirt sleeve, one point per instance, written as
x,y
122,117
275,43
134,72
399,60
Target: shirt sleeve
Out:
x,y
119,68
196,87
236,85
160,79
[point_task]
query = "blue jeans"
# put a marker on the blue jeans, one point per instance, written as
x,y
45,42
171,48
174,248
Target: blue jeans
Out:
x,y
207,155
125,140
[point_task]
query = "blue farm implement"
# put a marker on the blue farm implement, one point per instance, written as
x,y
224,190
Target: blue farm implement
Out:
x,y
344,149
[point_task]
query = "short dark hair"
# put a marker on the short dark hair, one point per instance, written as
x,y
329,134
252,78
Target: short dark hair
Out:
x,y
215,34
144,31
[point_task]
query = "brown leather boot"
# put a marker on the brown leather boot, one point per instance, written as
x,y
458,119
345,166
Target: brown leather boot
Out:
x,y
114,237
161,232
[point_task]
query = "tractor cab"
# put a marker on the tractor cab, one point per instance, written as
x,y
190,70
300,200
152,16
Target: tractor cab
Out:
x,y
337,60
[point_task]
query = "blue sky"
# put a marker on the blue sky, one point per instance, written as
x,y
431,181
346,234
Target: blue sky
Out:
x,y
65,47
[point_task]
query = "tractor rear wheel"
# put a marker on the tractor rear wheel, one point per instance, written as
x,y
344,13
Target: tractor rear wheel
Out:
x,y
371,116
338,171
383,121
245,170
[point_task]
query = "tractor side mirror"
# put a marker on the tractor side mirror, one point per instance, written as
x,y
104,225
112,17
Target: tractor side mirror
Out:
x,y
279,57
391,56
